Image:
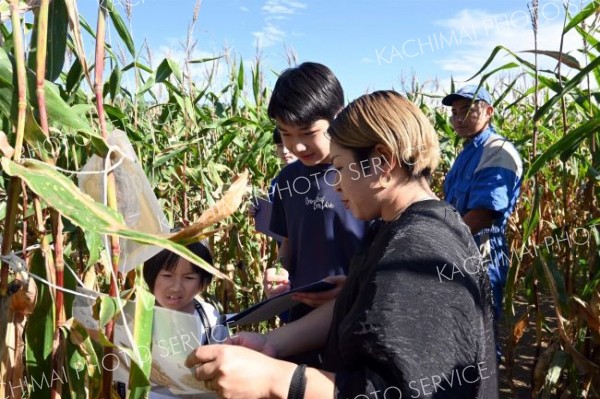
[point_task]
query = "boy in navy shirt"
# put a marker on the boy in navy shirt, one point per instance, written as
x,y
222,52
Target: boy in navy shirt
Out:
x,y
321,234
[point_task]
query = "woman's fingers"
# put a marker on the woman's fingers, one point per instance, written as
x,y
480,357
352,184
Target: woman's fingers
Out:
x,y
202,354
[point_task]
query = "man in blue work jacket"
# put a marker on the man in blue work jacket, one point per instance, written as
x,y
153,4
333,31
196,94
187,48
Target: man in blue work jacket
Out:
x,y
484,182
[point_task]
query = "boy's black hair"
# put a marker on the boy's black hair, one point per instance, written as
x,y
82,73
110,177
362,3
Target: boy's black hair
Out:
x,y
277,136
305,94
167,260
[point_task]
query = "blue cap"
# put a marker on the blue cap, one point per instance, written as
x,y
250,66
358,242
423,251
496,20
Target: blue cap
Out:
x,y
468,92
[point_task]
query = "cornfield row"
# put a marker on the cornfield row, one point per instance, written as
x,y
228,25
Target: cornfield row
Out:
x,y
58,107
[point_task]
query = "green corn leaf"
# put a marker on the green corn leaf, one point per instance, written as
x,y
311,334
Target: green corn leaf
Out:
x,y
75,368
139,382
593,222
595,43
164,158
506,91
256,84
513,271
58,111
555,281
520,98
93,242
69,282
56,41
61,194
6,93
76,43
59,191
240,76
550,83
142,335
114,82
507,66
588,10
147,86
226,140
566,59
58,25
167,68
34,136
493,55
84,364
74,76
120,27
596,73
116,114
567,88
144,314
565,145
203,60
108,307
39,332
136,64
119,119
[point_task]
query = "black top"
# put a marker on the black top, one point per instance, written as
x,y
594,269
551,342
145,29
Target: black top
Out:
x,y
414,317
323,235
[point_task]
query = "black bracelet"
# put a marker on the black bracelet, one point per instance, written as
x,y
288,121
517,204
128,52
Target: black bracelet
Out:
x,y
298,384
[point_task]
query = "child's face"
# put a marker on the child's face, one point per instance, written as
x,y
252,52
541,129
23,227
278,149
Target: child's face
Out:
x,y
175,289
284,154
309,143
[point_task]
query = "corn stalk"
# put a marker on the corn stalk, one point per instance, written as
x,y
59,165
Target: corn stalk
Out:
x,y
14,189
534,13
110,186
15,185
57,226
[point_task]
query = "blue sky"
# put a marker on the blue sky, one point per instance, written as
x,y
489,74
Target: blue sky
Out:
x,y
370,45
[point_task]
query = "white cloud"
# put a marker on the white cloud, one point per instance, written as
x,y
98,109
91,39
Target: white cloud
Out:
x,y
275,11
366,60
244,9
282,7
269,36
471,35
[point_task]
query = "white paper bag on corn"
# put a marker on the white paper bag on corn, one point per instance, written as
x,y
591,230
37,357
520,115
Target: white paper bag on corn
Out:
x,y
135,198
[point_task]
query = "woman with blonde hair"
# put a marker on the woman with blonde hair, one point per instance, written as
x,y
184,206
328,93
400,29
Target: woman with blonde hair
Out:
x,y
414,316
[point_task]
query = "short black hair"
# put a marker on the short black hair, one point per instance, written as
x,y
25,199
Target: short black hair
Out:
x,y
277,136
305,94
167,260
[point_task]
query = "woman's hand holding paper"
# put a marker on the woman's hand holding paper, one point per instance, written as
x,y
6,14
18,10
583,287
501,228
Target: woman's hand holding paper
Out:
x,y
232,372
